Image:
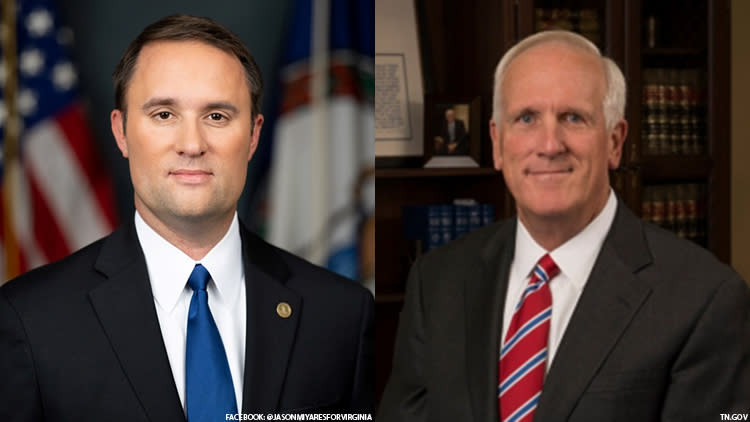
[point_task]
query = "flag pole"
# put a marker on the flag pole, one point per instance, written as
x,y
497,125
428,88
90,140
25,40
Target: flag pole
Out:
x,y
319,87
10,160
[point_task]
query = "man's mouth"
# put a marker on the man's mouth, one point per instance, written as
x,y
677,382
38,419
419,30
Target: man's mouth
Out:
x,y
191,176
544,172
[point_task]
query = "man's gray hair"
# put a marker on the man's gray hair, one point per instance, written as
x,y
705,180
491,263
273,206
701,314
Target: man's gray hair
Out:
x,y
614,99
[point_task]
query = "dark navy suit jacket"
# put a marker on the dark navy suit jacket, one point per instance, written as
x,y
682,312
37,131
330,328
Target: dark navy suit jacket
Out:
x,y
80,339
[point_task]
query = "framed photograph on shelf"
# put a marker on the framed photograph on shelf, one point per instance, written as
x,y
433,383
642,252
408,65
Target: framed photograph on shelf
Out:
x,y
452,135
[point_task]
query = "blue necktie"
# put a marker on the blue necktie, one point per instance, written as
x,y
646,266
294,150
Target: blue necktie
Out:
x,y
209,389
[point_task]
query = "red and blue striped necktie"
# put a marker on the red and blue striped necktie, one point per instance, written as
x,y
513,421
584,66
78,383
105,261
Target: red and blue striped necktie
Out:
x,y
523,354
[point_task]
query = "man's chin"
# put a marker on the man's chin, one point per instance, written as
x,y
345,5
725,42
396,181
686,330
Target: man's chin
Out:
x,y
197,214
193,212
550,210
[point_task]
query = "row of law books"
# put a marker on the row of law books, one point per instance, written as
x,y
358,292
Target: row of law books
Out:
x,y
680,208
674,117
436,224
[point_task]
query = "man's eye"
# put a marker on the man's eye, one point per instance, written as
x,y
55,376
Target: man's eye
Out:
x,y
526,118
573,118
216,116
163,115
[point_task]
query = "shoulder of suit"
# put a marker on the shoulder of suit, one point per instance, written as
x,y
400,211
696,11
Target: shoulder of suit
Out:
x,y
74,273
483,242
682,257
297,273
477,238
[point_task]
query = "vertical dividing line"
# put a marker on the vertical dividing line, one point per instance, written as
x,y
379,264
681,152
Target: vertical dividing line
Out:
x,y
10,160
319,61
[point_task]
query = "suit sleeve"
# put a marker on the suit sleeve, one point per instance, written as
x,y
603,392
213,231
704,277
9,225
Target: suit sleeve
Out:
x,y
19,392
363,395
712,373
405,394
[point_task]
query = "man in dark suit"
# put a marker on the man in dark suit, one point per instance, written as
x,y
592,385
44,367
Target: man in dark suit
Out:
x,y
453,139
575,310
182,312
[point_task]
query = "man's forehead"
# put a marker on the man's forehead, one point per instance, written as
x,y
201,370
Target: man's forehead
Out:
x,y
159,48
552,58
159,60
560,47
555,54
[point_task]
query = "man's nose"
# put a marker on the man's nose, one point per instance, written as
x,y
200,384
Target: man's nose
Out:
x,y
191,139
553,138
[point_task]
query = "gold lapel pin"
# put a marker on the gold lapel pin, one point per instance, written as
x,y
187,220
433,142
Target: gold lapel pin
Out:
x,y
284,310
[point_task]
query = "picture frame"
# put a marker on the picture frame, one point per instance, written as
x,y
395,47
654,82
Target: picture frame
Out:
x,y
452,131
395,128
399,91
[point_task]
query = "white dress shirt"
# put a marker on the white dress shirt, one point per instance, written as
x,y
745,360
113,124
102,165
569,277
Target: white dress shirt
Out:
x,y
169,269
575,258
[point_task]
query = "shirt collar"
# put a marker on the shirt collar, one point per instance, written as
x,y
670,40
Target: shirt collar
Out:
x,y
169,268
575,257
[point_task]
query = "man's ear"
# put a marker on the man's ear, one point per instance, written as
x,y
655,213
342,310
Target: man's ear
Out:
x,y
255,135
496,145
616,140
117,121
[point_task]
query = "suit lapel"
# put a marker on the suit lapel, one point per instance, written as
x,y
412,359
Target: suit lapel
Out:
x,y
269,337
124,305
485,288
610,299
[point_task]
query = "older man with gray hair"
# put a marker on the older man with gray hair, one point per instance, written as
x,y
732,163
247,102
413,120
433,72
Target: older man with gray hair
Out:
x,y
574,310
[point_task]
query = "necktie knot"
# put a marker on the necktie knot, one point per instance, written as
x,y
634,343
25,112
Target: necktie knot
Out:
x,y
546,269
199,278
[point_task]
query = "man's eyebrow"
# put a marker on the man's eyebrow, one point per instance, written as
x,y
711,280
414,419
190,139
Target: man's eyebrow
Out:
x,y
158,102
222,105
512,114
167,101
580,111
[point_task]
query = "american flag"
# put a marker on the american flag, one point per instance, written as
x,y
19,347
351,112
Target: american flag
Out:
x,y
56,194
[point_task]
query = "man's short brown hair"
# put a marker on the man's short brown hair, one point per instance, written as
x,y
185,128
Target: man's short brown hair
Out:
x,y
188,28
